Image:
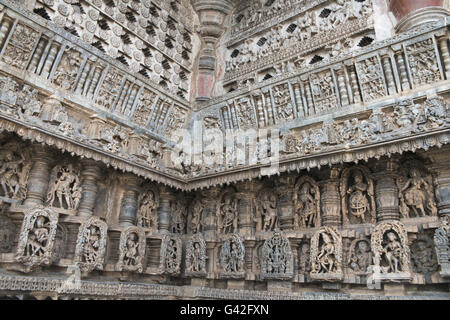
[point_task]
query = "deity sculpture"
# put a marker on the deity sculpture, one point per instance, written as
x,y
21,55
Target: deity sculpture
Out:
x,y
268,212
360,256
196,256
416,194
423,256
179,215
171,255
14,168
227,214
276,258
197,208
306,203
132,250
441,243
326,254
147,204
232,257
64,186
37,237
91,245
305,258
390,248
358,199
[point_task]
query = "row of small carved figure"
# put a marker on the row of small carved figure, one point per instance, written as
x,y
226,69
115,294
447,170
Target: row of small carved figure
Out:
x,y
357,192
305,26
389,245
406,118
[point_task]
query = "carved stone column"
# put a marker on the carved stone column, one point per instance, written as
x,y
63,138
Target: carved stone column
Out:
x,y
39,175
386,190
165,198
90,174
129,201
246,209
441,174
212,14
285,191
209,212
331,200
412,13
249,257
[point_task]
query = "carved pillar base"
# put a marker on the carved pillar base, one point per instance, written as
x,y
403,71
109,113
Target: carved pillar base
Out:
x,y
90,174
39,175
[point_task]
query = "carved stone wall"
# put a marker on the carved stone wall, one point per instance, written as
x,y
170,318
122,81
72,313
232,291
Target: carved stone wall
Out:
x,y
318,167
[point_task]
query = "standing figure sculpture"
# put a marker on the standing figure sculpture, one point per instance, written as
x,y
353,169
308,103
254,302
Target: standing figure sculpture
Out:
x,y
306,203
326,254
358,202
196,256
227,214
64,187
12,170
358,195
196,220
147,216
268,212
416,194
232,257
389,244
179,215
131,254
